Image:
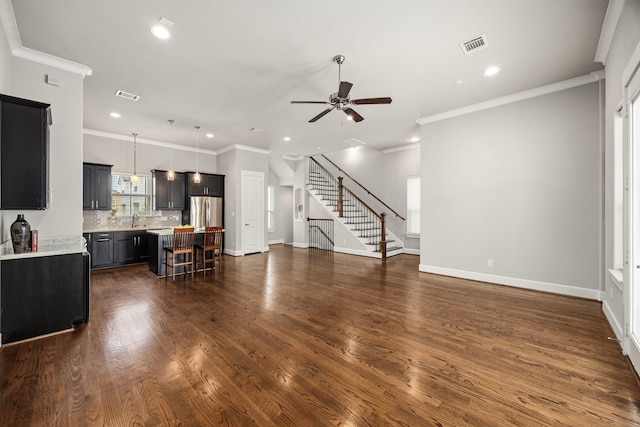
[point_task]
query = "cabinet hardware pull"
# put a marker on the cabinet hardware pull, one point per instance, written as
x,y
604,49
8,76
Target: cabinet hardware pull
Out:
x,y
103,240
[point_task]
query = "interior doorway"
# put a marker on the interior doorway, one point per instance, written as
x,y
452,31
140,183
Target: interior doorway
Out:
x,y
253,211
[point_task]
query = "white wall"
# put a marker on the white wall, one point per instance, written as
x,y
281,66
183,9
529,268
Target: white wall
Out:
x,y
5,64
64,215
518,184
119,153
627,37
283,204
227,167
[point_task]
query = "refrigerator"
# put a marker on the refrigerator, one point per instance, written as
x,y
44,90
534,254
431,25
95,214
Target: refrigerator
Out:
x,y
205,211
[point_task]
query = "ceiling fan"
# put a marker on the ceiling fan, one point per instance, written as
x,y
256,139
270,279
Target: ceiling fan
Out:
x,y
340,100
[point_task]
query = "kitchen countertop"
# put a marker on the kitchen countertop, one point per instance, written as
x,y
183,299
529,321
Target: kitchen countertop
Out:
x,y
47,246
123,228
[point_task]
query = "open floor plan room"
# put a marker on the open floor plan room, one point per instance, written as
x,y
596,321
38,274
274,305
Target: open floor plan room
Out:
x,y
302,337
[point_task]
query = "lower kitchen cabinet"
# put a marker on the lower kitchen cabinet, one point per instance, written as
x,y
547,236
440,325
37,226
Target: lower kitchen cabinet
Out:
x,y
130,247
109,249
41,295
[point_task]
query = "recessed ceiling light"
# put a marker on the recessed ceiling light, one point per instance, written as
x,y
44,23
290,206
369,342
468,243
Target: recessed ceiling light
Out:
x,y
286,138
459,82
161,30
115,115
209,135
492,71
415,139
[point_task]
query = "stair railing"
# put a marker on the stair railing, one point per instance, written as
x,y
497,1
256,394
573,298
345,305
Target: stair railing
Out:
x,y
370,224
321,233
363,187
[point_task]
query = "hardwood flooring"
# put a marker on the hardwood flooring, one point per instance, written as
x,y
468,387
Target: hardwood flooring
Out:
x,y
299,337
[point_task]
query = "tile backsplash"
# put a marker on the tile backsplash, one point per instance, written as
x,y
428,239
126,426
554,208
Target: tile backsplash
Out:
x,y
104,221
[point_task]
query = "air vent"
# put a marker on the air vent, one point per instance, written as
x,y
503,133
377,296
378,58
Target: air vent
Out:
x,y
127,95
354,142
474,45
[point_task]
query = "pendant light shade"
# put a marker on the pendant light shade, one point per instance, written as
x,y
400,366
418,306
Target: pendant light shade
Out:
x,y
171,175
134,177
196,176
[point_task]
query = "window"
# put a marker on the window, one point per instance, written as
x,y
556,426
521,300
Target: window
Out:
x,y
413,205
271,226
129,198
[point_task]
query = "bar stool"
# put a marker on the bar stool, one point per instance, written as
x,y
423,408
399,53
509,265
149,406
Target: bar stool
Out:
x,y
212,243
182,244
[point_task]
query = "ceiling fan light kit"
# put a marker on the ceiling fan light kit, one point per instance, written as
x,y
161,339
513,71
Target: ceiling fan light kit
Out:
x,y
340,100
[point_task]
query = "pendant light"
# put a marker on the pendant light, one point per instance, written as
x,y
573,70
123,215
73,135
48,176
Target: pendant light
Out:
x,y
196,176
134,177
171,175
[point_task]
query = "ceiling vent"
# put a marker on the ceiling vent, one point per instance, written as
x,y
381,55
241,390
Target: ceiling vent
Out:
x,y
475,44
354,142
127,95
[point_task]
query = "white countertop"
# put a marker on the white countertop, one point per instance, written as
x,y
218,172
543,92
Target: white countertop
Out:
x,y
47,246
123,228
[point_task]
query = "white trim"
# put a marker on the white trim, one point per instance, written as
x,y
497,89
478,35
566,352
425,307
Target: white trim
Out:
x,y
616,276
634,353
146,141
614,11
276,242
515,282
516,97
400,148
632,66
618,331
233,253
300,245
411,251
294,158
8,20
243,147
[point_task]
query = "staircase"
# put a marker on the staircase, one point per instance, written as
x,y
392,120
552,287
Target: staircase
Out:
x,y
368,226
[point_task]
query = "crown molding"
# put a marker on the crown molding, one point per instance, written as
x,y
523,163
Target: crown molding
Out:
x,y
8,20
146,141
614,11
401,148
516,97
292,158
244,148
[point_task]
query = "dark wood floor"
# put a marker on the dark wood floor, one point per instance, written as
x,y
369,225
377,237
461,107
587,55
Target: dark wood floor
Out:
x,y
310,338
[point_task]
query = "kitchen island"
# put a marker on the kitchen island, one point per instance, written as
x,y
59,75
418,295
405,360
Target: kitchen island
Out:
x,y
156,241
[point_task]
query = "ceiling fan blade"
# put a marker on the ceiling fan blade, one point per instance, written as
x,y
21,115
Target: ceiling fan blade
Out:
x,y
345,88
371,101
354,116
319,116
310,102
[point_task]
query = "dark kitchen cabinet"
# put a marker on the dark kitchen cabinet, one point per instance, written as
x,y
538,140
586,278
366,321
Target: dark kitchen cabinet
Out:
x,y
168,194
96,186
130,247
209,185
101,249
24,153
41,295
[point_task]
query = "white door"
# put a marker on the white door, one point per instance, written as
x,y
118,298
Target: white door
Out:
x,y
253,213
632,343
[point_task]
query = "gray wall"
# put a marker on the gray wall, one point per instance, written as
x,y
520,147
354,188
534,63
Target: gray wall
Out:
x,y
520,185
64,215
119,153
227,167
283,204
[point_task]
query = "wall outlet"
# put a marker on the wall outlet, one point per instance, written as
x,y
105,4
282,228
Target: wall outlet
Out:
x,y
489,263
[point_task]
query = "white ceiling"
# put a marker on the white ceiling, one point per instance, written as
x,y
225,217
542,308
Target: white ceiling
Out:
x,y
236,65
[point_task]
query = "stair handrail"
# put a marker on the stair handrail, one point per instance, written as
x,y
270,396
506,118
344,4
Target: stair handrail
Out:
x,y
381,216
363,187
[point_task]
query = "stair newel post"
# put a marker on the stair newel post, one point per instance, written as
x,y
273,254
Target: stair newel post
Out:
x,y
340,196
383,238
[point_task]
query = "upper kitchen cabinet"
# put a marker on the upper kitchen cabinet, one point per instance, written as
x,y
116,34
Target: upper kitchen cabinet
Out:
x,y
209,185
168,194
24,153
96,186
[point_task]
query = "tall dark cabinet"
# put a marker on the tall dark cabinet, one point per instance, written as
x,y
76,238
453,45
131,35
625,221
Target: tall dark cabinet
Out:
x,y
168,194
24,153
96,186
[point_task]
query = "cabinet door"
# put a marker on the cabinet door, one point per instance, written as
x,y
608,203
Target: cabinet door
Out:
x,y
103,187
23,155
177,192
142,246
124,251
162,190
102,254
215,185
87,187
195,189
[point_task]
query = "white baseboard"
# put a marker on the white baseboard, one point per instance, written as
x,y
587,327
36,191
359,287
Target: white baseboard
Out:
x,y
276,242
515,282
618,330
233,253
351,251
300,245
411,251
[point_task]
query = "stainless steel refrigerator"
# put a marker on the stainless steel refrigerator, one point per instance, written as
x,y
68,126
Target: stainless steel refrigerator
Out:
x,y
205,211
